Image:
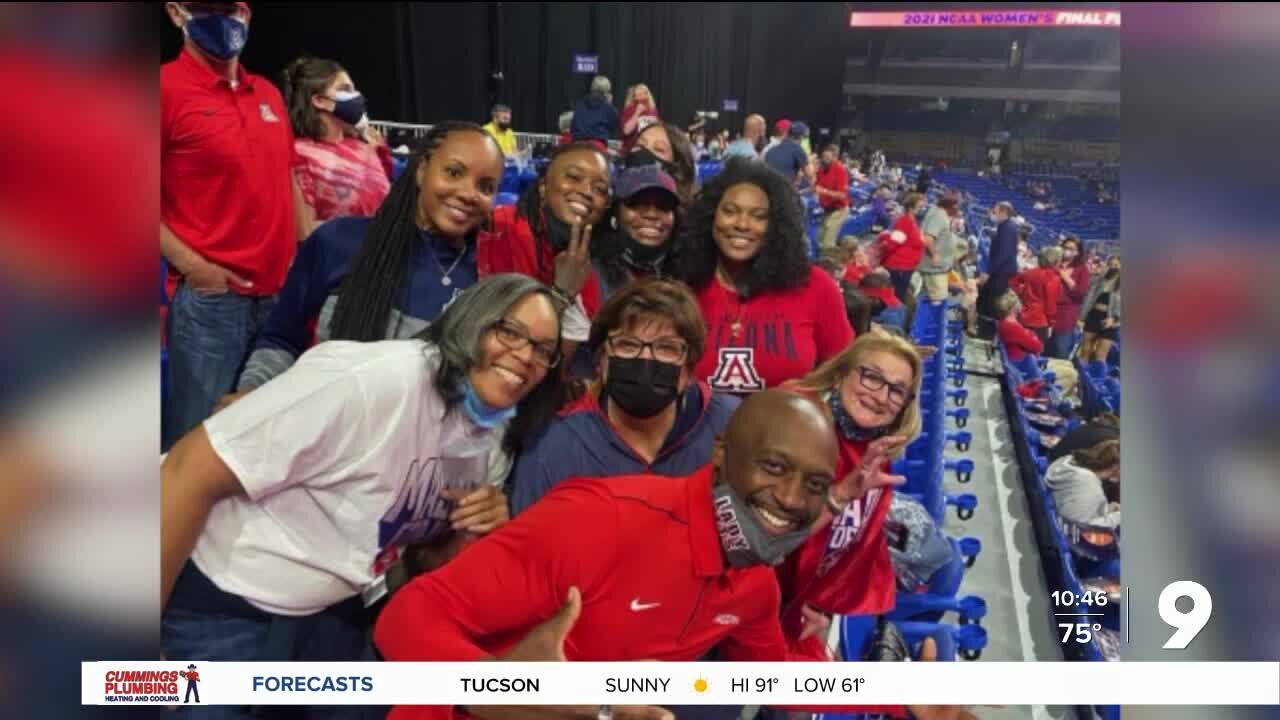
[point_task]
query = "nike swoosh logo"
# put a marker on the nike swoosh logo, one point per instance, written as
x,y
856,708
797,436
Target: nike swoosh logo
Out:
x,y
637,606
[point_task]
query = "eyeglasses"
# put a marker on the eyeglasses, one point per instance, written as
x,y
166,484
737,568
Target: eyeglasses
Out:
x,y
513,337
666,350
875,382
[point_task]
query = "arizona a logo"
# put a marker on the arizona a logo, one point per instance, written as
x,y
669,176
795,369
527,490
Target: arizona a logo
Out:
x,y
736,372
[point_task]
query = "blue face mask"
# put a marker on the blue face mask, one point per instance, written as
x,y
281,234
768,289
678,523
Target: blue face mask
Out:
x,y
851,430
481,413
221,36
349,107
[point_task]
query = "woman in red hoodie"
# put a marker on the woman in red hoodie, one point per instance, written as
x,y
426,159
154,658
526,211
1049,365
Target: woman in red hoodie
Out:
x,y
901,251
872,390
547,233
1039,290
1074,272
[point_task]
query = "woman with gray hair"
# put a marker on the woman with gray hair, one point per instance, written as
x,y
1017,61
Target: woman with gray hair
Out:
x,y
287,517
594,116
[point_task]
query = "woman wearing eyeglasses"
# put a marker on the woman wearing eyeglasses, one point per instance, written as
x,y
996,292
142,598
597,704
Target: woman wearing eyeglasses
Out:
x,y
872,390
282,514
644,412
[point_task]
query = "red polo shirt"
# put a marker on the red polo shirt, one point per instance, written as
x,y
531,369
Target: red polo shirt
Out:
x,y
225,183
833,177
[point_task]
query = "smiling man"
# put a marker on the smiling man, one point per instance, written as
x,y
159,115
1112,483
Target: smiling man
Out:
x,y
714,536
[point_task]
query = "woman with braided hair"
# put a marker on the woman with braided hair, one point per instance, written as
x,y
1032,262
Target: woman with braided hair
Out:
x,y
388,276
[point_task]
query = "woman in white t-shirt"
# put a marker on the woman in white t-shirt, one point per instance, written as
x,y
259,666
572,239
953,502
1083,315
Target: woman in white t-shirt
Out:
x,y
281,514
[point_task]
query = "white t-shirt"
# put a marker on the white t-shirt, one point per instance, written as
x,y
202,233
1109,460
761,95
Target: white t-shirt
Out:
x,y
343,458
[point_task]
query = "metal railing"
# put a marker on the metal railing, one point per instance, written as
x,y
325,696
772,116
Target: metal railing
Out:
x,y
525,142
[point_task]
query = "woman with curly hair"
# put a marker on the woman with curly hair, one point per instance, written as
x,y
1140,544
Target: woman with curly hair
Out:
x,y
771,316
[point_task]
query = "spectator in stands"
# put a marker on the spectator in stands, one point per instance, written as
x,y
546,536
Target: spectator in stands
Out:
x,y
277,512
880,207
389,276
857,307
1002,265
1074,273
768,482
831,264
1019,342
1026,258
698,138
804,139
832,186
855,171
749,144
1039,291
639,104
547,233
765,306
636,241
670,146
644,410
781,130
229,224
565,125
903,247
886,309
1102,321
1077,483
940,247
923,180
863,259
499,126
595,118
337,170
871,390
1105,426
962,279
789,157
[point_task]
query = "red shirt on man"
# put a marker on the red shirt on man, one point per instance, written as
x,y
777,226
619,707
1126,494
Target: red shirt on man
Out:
x,y
226,188
833,177
773,337
484,601
903,255
1039,290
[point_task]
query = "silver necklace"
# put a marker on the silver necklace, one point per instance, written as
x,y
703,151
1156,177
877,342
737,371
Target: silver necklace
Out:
x,y
444,274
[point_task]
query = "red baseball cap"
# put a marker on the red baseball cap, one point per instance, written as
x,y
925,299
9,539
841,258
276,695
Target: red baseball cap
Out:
x,y
783,126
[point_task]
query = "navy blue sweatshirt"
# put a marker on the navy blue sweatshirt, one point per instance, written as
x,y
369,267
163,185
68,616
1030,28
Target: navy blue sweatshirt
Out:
x,y
594,119
1002,259
581,442
310,293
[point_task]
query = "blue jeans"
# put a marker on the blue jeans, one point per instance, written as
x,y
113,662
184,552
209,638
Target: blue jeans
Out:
x,y
209,339
203,623
1061,344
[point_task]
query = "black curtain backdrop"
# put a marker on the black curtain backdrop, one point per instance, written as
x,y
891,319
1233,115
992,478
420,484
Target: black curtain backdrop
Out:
x,y
429,62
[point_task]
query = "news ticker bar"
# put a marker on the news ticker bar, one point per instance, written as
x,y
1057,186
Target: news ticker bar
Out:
x,y
706,683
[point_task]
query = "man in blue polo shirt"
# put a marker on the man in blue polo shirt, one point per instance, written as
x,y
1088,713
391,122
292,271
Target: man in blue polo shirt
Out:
x,y
789,158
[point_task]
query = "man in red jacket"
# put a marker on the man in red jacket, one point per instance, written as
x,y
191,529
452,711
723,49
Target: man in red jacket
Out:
x,y
574,577
1040,290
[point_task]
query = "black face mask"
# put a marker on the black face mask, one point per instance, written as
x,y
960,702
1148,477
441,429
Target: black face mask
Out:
x,y
643,258
642,387
557,230
504,126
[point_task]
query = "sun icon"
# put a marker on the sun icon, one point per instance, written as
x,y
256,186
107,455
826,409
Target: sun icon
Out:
x,y
700,685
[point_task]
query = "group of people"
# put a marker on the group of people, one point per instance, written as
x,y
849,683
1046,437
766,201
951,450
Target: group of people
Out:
x,y
406,424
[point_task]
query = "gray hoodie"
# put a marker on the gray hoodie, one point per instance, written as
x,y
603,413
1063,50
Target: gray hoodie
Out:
x,y
1077,492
